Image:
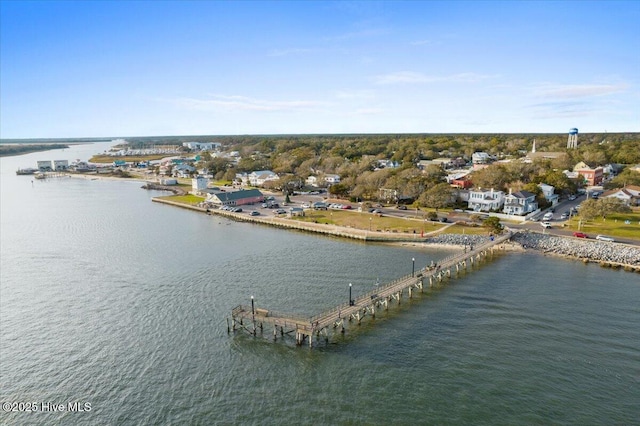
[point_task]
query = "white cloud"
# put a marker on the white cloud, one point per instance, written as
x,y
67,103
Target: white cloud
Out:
x,y
422,42
234,103
365,33
354,94
579,90
404,77
368,111
289,51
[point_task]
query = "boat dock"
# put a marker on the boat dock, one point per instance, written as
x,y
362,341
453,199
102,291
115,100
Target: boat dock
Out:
x,y
312,329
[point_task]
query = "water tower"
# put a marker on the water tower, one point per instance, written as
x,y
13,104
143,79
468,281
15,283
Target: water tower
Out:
x,y
573,138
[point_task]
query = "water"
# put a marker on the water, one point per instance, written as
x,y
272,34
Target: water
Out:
x,y
110,299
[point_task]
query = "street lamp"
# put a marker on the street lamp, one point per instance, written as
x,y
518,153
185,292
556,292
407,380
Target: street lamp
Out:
x,y
370,219
253,310
350,299
413,266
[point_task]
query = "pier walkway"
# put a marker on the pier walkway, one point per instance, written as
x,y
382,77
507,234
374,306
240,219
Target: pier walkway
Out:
x,y
254,320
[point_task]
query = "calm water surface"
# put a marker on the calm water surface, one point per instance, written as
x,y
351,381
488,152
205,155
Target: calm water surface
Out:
x,y
111,299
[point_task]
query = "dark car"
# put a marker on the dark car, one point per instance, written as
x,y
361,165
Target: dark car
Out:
x,y
443,219
402,207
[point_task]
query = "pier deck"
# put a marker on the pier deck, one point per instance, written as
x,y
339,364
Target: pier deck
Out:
x,y
253,319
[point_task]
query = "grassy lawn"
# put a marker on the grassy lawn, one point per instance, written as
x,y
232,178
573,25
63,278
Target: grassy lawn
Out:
x,y
185,199
614,225
367,221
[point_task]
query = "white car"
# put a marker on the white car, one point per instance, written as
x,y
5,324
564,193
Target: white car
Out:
x,y
546,224
605,238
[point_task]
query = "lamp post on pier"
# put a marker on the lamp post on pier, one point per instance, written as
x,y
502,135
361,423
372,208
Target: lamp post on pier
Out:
x,y
253,310
370,219
350,299
413,266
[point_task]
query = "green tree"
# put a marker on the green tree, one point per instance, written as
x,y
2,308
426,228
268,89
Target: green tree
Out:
x,y
626,177
493,224
592,208
494,176
437,197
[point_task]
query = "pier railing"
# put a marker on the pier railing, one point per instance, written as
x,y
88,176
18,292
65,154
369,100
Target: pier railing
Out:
x,y
384,289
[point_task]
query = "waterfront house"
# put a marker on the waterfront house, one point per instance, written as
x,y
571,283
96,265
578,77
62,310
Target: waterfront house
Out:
x,y
520,203
199,183
312,181
296,211
60,165
44,166
485,201
235,198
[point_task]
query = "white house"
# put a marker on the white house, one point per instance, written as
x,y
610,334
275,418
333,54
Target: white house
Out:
x,y
312,181
60,164
520,203
202,146
387,164
484,201
630,195
44,166
331,179
480,157
549,193
199,183
183,170
258,178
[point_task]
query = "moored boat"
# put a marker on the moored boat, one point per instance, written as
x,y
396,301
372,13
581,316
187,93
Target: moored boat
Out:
x,y
27,171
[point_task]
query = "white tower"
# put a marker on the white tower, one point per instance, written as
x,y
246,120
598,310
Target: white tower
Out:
x,y
573,138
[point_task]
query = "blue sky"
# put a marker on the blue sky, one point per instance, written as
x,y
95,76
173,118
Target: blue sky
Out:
x,y
124,68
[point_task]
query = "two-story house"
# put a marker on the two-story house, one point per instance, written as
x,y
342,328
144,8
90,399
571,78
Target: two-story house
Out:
x,y
549,193
520,203
258,178
485,201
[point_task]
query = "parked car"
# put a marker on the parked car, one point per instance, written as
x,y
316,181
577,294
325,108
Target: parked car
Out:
x,y
605,238
580,235
443,219
402,207
546,224
548,216
572,197
564,216
346,207
254,213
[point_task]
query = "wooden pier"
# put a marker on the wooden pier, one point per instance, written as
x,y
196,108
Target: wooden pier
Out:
x,y
312,329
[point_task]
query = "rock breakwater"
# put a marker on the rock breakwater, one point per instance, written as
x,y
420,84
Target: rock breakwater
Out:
x,y
586,250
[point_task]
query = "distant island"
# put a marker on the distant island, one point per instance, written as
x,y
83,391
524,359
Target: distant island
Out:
x,y
7,150
9,147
